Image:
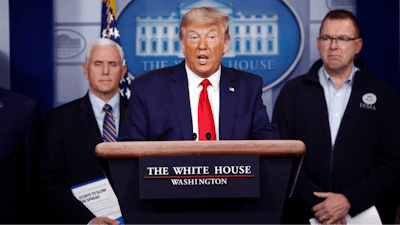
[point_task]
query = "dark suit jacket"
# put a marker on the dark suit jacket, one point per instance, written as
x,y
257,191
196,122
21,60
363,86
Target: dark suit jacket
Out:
x,y
159,107
69,158
21,130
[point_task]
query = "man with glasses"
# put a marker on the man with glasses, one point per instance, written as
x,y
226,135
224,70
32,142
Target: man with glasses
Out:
x,y
350,123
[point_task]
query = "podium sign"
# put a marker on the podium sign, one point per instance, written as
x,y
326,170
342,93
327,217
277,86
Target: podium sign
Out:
x,y
218,176
279,164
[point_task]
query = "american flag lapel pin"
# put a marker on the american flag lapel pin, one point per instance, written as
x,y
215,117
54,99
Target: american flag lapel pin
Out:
x,y
1,105
231,89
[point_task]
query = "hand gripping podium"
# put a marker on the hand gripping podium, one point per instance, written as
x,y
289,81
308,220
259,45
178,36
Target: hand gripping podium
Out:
x,y
279,165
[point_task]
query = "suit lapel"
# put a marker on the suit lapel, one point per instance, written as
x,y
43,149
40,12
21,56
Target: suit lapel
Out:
x,y
180,96
88,120
228,100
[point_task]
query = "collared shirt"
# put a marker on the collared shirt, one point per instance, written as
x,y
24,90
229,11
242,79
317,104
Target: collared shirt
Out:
x,y
99,113
336,98
195,89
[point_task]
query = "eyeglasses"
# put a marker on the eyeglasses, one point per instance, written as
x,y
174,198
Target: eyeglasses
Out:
x,y
342,40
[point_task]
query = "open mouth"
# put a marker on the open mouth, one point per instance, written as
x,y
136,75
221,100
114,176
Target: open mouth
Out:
x,y
202,59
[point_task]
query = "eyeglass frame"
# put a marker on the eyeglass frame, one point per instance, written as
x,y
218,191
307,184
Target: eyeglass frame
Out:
x,y
342,39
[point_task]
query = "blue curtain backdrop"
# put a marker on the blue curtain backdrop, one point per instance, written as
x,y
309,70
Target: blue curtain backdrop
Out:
x,y
379,25
31,50
31,46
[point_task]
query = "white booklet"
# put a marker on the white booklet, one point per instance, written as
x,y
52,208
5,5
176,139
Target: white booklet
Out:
x,y
99,197
369,216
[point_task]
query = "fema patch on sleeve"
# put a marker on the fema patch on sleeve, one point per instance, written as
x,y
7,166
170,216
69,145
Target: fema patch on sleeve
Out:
x,y
266,37
369,98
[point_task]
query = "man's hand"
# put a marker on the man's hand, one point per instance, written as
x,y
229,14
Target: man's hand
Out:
x,y
104,220
341,221
332,209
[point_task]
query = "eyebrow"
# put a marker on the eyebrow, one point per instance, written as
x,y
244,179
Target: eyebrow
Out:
x,y
192,31
195,31
327,35
212,30
100,61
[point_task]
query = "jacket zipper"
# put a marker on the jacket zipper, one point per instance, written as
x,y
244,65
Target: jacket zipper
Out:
x,y
331,168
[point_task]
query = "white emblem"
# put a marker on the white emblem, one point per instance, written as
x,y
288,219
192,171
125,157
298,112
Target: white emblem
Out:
x,y
369,98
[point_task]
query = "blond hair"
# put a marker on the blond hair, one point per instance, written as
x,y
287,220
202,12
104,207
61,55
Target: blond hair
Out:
x,y
205,15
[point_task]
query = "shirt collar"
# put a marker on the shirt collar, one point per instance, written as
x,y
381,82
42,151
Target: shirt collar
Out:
x,y
98,103
350,78
194,80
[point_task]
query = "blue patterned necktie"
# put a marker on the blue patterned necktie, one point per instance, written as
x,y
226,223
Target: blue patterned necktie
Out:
x,y
109,129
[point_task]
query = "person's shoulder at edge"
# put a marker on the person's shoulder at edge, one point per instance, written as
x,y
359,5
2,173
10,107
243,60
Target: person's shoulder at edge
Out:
x,y
17,98
157,73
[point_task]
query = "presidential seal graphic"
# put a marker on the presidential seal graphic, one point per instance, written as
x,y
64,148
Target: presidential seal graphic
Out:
x,y
369,98
267,37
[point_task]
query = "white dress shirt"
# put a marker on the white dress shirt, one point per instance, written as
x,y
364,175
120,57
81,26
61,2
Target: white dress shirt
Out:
x,y
195,89
99,113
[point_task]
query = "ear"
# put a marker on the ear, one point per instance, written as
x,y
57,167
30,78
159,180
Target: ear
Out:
x,y
358,43
85,70
226,45
124,69
318,45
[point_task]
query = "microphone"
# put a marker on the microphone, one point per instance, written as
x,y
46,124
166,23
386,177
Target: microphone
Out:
x,y
208,136
194,136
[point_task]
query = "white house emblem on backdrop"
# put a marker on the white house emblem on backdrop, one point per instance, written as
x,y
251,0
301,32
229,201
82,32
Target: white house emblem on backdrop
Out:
x,y
264,27
68,43
266,37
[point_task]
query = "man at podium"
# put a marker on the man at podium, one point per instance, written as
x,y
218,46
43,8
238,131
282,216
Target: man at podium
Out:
x,y
198,99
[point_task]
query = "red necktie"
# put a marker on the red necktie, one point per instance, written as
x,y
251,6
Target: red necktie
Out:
x,y
206,120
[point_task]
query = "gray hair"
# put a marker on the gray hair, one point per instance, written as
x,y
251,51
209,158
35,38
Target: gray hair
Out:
x,y
205,15
104,42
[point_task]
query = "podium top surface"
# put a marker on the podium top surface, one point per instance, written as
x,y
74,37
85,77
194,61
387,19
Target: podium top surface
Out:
x,y
264,148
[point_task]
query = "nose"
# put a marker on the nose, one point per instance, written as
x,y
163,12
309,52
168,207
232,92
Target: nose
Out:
x,y
105,69
334,44
202,43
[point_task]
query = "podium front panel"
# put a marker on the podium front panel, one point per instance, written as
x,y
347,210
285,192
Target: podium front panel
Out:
x,y
275,175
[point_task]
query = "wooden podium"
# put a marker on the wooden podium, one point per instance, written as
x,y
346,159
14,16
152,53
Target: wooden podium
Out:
x,y
280,162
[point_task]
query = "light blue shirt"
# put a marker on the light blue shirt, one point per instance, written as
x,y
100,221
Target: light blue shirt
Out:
x,y
336,98
99,113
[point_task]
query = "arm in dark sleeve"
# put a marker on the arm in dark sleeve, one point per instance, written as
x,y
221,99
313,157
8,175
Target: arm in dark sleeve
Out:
x,y
64,204
136,120
284,117
32,141
386,169
261,126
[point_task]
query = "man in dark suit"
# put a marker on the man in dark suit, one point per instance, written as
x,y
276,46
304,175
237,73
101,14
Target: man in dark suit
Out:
x,y
171,103
21,131
74,129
